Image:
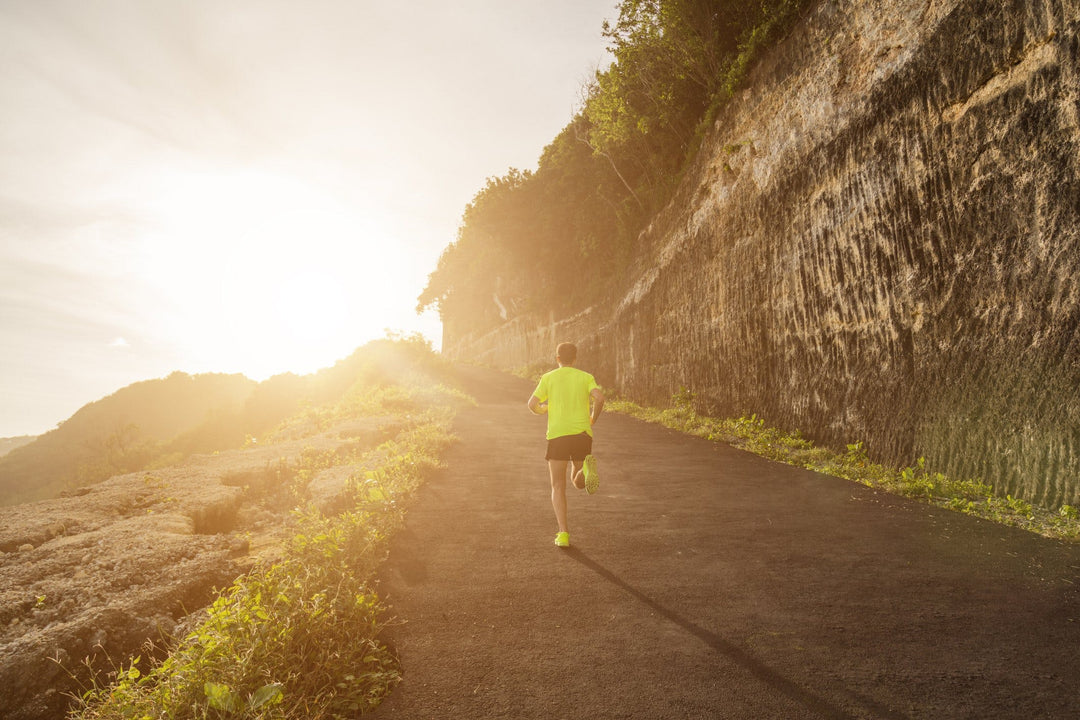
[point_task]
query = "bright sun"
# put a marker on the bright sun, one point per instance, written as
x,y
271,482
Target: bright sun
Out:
x,y
261,275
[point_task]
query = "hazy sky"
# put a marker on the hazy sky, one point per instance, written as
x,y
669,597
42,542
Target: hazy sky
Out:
x,y
252,186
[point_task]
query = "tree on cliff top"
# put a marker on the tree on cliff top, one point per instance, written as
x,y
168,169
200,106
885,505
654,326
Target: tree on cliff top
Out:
x,y
609,171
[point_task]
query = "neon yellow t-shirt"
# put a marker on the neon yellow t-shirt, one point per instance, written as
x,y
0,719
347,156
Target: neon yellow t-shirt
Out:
x,y
567,391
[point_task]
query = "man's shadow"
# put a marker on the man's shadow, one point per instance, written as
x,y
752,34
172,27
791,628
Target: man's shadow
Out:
x,y
738,655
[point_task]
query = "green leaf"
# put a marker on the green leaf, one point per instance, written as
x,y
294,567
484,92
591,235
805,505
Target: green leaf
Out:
x,y
220,697
267,695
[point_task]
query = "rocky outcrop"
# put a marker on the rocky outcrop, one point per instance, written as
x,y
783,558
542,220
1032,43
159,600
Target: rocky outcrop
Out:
x,y
880,243
97,574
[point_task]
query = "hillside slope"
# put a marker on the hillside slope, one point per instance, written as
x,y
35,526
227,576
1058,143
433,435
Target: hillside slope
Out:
x,y
9,444
160,422
88,579
118,433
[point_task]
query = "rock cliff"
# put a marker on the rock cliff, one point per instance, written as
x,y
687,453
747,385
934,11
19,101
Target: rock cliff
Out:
x,y
880,242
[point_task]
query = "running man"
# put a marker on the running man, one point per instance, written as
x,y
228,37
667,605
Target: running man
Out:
x,y
564,395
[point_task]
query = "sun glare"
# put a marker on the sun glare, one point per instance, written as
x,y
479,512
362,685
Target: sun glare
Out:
x,y
261,275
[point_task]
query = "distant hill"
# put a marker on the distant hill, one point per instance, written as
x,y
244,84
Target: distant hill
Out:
x,y
118,433
9,444
156,422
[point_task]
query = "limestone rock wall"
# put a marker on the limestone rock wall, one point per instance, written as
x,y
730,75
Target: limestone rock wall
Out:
x,y
881,243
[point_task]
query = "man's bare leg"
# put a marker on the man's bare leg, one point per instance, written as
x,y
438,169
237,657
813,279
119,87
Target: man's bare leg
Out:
x,y
557,469
577,474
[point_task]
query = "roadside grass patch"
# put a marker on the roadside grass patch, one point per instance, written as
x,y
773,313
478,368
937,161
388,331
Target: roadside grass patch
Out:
x,y
971,497
299,638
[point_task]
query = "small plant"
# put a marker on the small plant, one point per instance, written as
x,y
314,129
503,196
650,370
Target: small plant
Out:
x,y
684,398
856,454
1019,507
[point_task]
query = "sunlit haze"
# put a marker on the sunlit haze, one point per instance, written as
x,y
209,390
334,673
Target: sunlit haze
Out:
x,y
252,186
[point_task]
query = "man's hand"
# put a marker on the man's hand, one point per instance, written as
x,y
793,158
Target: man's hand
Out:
x,y
536,407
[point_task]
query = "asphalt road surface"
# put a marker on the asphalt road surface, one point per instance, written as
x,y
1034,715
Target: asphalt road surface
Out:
x,y
705,582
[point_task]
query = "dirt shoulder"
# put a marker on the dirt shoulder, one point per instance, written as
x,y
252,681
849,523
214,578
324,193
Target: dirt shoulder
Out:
x,y
704,581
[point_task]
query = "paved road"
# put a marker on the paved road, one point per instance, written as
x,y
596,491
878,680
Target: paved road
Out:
x,y
705,582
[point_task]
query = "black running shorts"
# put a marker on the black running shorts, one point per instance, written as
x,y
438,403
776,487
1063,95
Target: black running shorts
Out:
x,y
569,447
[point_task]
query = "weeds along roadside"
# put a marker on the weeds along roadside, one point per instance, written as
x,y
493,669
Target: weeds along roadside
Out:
x,y
299,638
971,497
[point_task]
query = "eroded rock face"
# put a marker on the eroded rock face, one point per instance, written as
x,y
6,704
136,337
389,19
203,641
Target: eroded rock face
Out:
x,y
99,573
882,243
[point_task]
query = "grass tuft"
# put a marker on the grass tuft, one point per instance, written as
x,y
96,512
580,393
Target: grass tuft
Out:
x,y
972,497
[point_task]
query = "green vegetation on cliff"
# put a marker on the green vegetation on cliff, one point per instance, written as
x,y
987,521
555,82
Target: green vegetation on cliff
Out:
x,y
609,171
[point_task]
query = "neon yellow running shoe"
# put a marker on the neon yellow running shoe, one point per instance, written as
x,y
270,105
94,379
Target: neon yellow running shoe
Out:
x,y
562,539
592,477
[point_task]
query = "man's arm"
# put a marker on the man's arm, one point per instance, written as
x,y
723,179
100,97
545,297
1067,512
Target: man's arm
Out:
x,y
598,405
536,406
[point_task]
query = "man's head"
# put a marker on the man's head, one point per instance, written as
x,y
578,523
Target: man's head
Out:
x,y
566,353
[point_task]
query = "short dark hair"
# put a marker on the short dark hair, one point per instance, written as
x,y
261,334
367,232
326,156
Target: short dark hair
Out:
x,y
566,352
